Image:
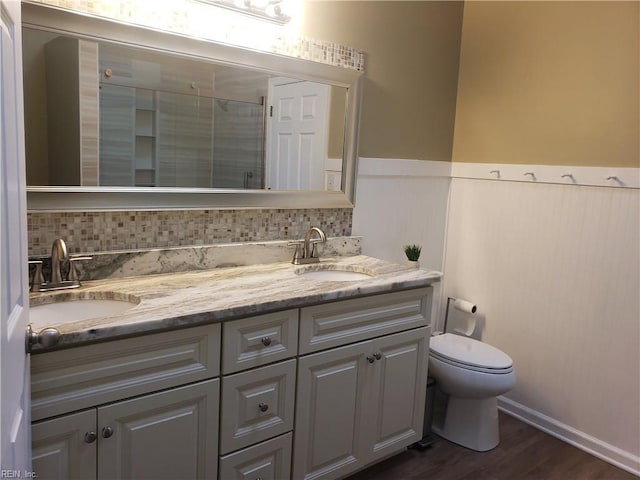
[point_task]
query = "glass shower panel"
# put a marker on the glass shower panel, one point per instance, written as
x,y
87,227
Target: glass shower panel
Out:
x,y
238,144
185,140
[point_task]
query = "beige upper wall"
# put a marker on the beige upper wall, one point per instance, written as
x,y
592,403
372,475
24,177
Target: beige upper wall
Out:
x,y
549,83
411,69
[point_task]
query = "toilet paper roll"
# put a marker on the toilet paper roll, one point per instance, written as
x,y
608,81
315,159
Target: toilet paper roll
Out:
x,y
464,306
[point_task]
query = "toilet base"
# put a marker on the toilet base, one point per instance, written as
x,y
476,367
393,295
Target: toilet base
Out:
x,y
472,423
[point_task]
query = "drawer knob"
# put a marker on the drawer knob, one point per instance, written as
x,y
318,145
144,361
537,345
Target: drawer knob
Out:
x,y
378,355
107,432
371,358
90,437
263,407
266,341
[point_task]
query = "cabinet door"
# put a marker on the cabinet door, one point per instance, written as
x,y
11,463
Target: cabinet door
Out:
x,y
64,447
397,395
329,413
167,435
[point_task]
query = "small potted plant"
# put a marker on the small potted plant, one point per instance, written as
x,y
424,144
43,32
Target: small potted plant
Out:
x,y
413,254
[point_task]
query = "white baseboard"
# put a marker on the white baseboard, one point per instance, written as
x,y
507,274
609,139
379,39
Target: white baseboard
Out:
x,y
609,453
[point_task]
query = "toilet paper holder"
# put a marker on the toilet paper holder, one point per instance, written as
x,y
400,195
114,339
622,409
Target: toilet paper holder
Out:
x,y
458,304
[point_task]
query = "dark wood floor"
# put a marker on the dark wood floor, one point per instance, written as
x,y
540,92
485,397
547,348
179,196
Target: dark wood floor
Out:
x,y
524,453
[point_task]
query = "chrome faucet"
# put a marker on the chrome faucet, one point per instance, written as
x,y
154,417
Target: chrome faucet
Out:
x,y
59,255
306,249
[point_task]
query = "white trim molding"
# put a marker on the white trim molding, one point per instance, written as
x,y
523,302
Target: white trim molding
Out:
x,y
598,448
624,177
560,174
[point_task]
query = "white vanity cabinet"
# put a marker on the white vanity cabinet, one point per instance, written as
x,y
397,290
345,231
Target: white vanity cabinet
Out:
x,y
364,401
317,392
142,414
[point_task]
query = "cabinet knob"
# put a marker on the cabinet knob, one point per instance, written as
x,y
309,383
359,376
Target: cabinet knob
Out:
x,y
107,432
90,437
266,341
263,407
371,358
378,355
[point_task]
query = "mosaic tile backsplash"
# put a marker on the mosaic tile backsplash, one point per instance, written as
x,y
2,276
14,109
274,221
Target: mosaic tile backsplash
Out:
x,y
87,232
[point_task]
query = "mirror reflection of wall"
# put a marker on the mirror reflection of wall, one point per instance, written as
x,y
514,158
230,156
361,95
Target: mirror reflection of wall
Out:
x,y
101,114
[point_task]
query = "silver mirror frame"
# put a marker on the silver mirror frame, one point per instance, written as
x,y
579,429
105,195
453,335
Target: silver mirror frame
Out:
x,y
61,199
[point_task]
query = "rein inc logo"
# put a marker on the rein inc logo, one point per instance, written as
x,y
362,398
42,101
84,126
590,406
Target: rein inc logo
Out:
x,y
17,474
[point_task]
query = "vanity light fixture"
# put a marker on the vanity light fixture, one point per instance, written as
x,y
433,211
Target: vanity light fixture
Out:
x,y
271,10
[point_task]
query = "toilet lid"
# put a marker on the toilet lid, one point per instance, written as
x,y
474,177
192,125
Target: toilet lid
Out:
x,y
469,351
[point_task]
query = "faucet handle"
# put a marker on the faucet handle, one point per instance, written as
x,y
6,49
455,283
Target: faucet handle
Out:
x,y
296,254
313,253
73,273
38,278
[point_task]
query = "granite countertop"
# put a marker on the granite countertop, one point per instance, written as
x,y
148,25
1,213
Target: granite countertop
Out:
x,y
177,300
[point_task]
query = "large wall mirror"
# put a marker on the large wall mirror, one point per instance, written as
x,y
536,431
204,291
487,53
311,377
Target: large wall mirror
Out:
x,y
125,117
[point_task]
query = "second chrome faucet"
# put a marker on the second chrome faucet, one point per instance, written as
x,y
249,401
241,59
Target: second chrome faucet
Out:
x,y
306,249
59,255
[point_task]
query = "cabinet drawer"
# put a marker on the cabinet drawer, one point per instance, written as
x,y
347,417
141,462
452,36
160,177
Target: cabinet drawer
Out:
x,y
256,405
339,323
270,460
77,378
256,341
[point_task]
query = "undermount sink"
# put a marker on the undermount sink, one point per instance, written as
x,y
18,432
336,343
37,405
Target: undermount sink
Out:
x,y
332,273
73,308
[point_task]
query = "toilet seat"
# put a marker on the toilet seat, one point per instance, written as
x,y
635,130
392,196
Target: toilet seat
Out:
x,y
470,354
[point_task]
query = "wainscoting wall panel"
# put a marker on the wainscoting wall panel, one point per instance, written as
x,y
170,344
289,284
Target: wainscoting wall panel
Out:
x,y
555,272
400,202
553,264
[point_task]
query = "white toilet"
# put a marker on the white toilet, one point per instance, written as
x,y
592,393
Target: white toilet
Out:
x,y
472,374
